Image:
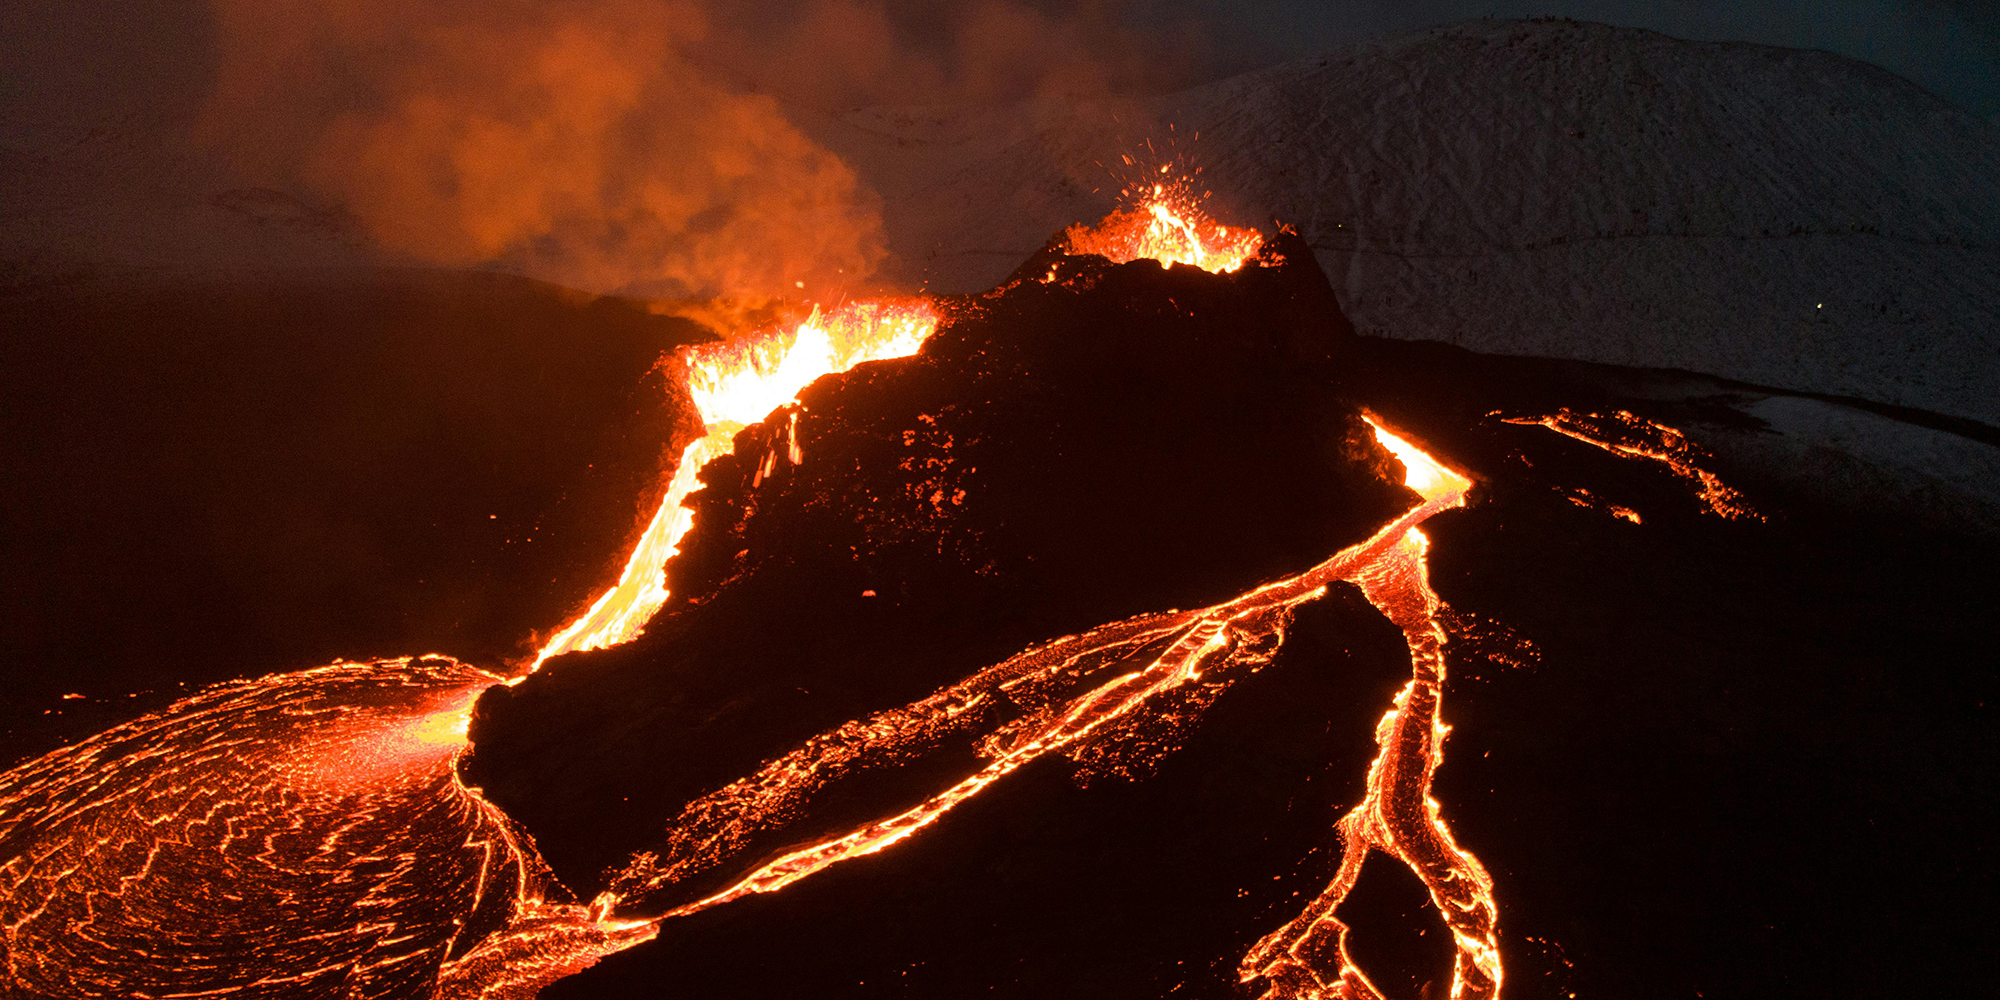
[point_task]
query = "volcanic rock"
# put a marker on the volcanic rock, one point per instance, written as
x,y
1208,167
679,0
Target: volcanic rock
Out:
x,y
1059,455
1690,749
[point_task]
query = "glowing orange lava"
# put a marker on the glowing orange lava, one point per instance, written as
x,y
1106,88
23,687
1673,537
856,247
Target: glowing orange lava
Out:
x,y
1308,957
1167,227
323,814
1629,435
302,834
734,384
1147,657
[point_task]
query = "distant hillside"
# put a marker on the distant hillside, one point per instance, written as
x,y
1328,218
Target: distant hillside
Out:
x,y
1784,217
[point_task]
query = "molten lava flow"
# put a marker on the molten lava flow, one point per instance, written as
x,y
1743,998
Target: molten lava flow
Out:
x,y
1628,435
301,834
735,384
1308,957
1146,657
1167,227
319,822
272,791
318,817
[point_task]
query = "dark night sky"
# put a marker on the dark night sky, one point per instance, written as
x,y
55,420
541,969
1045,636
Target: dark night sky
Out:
x,y
1951,47
58,60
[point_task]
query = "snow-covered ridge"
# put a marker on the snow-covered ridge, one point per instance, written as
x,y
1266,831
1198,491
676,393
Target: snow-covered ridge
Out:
x,y
1777,216
1782,217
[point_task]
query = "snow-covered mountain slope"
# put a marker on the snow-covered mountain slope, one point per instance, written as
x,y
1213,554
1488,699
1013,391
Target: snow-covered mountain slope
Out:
x,y
1783,217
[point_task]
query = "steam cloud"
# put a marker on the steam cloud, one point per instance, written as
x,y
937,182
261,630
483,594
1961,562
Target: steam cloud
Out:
x,y
630,145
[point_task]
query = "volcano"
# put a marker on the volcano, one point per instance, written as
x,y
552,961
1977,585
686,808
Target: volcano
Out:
x,y
1053,657
1147,620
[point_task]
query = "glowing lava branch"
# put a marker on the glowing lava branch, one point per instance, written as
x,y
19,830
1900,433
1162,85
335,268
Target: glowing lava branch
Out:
x,y
543,942
1628,435
1219,638
301,834
1168,227
735,384
1308,957
1148,656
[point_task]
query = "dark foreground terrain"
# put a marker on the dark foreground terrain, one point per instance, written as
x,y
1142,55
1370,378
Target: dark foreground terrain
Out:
x,y
1699,755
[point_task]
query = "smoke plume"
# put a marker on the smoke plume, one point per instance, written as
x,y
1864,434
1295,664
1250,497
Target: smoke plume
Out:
x,y
644,146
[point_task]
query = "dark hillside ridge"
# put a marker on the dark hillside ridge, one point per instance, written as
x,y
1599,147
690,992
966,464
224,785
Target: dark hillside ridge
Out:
x,y
235,476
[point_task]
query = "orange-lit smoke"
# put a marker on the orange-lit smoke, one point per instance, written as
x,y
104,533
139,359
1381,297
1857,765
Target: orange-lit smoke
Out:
x,y
575,141
833,54
649,147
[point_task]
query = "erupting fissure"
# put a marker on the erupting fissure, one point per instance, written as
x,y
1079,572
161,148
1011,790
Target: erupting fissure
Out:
x,y
1167,226
735,384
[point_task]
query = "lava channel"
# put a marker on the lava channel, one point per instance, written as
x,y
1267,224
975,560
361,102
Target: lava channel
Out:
x,y
1149,656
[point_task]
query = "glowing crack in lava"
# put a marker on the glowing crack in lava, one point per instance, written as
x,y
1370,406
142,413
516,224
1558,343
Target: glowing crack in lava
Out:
x,y
300,835
1168,227
1628,435
1129,667
1308,957
735,384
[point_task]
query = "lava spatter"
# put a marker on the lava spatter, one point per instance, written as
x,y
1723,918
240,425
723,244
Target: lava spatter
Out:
x,y
1167,226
